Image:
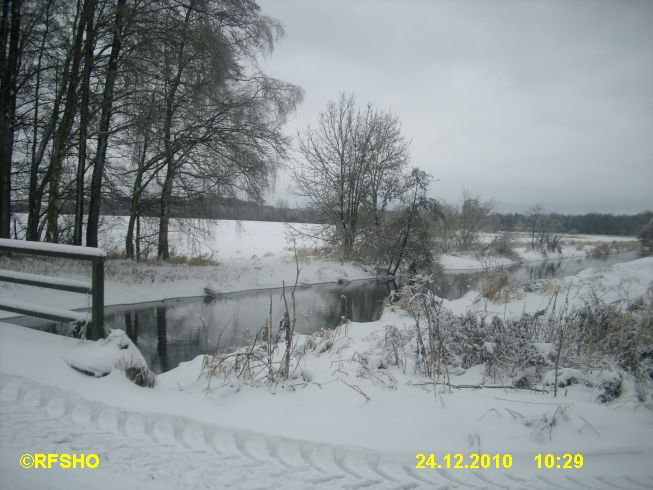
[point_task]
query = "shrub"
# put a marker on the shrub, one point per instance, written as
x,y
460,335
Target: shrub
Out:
x,y
500,287
503,246
595,334
601,250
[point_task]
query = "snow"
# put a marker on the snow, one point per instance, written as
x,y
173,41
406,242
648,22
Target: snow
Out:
x,y
571,246
327,418
624,281
51,247
222,240
98,359
566,377
523,238
45,310
546,349
461,262
316,430
55,281
320,410
598,238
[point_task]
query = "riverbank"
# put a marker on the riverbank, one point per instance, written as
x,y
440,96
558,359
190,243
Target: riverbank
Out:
x,y
226,256
572,246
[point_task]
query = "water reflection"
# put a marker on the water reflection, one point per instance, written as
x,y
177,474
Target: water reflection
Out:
x,y
162,337
171,332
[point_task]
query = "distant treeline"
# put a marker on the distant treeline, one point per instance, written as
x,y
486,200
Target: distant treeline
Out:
x,y
211,208
205,207
591,223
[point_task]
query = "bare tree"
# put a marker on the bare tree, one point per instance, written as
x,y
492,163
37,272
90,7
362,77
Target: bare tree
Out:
x,y
389,157
176,85
459,225
544,229
84,116
222,120
64,130
9,65
352,164
474,215
43,98
535,222
446,228
105,121
407,235
143,131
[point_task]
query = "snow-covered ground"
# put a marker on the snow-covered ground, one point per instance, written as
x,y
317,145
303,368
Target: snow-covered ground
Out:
x,y
571,246
221,240
622,282
317,430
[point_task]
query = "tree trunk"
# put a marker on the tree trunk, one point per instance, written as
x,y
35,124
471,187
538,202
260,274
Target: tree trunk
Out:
x,y
34,228
138,237
83,126
164,216
403,243
135,208
9,63
163,252
103,136
34,198
62,135
129,239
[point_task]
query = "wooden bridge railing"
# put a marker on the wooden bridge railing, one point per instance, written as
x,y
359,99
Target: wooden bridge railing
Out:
x,y
96,256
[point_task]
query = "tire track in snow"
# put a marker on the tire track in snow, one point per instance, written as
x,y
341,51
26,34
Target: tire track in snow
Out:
x,y
166,447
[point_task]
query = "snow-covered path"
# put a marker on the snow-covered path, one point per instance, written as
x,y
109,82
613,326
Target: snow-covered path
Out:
x,y
162,451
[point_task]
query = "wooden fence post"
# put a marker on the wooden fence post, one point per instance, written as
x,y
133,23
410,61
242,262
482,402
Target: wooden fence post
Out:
x,y
97,283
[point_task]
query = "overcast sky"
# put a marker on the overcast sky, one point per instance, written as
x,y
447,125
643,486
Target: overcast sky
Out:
x,y
525,102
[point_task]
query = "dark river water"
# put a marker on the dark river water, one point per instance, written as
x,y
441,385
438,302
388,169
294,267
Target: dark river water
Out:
x,y
174,331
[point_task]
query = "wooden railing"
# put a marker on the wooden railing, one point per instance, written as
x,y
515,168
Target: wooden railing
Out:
x,y
95,329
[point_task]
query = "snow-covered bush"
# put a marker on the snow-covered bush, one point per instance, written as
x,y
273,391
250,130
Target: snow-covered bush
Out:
x,y
394,346
261,361
469,334
515,354
432,357
442,339
597,331
519,352
117,351
608,382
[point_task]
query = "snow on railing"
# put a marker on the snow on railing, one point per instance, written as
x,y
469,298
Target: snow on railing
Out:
x,y
51,249
96,256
